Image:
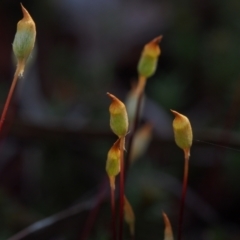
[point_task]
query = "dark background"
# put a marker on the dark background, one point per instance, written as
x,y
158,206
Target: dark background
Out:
x,y
56,135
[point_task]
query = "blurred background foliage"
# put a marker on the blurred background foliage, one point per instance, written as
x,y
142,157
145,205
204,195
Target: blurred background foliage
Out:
x,y
56,136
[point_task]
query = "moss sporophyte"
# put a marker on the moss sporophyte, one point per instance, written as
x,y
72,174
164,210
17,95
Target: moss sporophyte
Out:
x,y
113,162
22,47
149,58
183,137
182,131
24,39
118,117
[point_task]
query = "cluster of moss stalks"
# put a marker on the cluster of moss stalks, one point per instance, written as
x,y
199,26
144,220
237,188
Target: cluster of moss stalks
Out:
x,y
121,124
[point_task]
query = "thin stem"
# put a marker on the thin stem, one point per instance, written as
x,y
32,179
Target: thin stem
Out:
x,y
141,85
121,190
184,190
139,90
54,219
114,234
9,97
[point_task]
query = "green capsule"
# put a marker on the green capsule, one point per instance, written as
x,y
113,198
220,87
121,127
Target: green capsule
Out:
x,y
24,39
118,117
147,64
182,131
113,160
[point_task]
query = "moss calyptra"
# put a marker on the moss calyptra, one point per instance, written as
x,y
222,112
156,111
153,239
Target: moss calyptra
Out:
x,y
148,62
118,117
24,39
182,131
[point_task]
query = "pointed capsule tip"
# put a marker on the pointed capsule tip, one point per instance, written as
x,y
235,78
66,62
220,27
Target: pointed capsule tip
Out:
x,y
165,217
157,39
117,144
168,234
111,96
25,12
177,114
174,112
